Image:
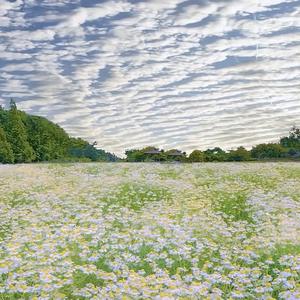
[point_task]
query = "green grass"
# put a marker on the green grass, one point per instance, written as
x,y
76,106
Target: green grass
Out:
x,y
135,196
5,230
81,279
278,251
232,205
259,181
74,251
289,173
205,178
168,173
92,170
14,296
17,198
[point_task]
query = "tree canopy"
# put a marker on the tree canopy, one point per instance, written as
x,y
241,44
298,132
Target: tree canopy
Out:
x,y
287,148
27,138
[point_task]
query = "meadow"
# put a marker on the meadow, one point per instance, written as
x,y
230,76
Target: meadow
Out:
x,y
150,231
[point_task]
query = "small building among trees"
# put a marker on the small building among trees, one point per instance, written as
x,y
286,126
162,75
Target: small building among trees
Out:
x,y
153,154
175,155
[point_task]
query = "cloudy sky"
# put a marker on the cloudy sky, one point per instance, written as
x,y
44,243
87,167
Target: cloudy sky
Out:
x,y
172,73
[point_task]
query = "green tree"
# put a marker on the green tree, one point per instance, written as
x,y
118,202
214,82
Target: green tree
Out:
x,y
48,140
17,136
12,104
196,156
271,150
6,153
134,155
215,154
34,138
293,140
240,154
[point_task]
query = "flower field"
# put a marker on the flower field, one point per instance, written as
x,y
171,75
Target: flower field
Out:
x,y
150,231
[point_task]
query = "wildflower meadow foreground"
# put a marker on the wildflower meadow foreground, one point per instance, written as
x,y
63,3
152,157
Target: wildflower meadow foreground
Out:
x,y
150,231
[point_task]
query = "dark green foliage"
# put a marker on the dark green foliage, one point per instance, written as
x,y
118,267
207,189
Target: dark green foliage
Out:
x,y
82,149
48,140
136,155
6,153
293,140
240,154
215,154
197,156
17,136
133,155
292,143
26,138
265,151
288,148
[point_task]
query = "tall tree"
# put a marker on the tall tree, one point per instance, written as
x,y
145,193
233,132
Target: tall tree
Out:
x,y
215,154
293,140
6,153
197,156
17,136
12,104
240,154
265,151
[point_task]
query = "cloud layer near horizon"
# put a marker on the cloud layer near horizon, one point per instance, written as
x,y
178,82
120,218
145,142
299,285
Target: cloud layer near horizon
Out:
x,y
177,73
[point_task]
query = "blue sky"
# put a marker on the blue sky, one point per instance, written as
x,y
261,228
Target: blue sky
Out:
x,y
187,74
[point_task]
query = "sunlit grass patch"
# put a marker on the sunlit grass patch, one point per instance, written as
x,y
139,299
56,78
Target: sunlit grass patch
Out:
x,y
260,181
205,177
290,173
93,170
295,196
15,296
74,253
135,196
143,266
19,198
169,173
233,206
278,251
5,230
81,279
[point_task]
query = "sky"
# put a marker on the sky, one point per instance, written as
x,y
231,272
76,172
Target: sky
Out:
x,y
188,74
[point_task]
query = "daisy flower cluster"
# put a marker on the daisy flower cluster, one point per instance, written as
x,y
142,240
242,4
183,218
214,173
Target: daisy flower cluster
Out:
x,y
150,231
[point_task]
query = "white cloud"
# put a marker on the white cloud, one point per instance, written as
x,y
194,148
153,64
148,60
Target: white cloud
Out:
x,y
6,6
195,13
87,14
149,77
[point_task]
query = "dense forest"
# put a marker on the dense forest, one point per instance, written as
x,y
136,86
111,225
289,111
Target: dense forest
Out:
x,y
27,138
288,148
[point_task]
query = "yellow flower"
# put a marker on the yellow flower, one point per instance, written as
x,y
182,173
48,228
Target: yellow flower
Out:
x,y
59,295
268,284
164,294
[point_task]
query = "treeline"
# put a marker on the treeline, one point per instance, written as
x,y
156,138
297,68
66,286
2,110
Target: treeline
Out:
x,y
27,138
287,148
